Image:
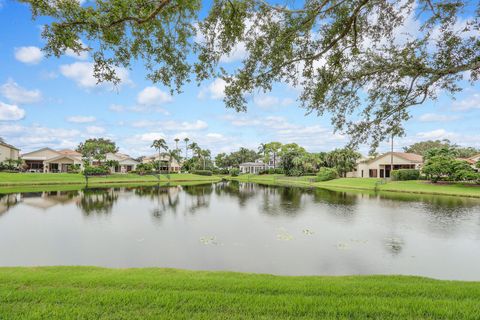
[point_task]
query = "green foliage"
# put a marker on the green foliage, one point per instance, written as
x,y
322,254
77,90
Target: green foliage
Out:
x,y
443,166
112,163
96,149
234,159
326,174
285,42
291,155
234,172
144,168
344,160
11,165
96,171
74,168
405,174
202,172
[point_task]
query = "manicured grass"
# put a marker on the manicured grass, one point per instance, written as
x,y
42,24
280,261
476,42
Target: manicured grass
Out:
x,y
370,184
97,293
32,179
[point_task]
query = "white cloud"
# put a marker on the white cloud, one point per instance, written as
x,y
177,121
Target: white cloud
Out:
x,y
214,90
116,108
435,117
150,136
172,125
28,55
268,101
81,119
469,103
82,74
95,130
437,134
10,112
16,94
153,96
36,136
238,53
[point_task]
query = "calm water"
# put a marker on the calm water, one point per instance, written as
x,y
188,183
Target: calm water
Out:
x,y
244,227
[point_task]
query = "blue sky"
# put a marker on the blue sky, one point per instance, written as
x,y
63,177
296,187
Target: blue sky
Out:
x,y
51,102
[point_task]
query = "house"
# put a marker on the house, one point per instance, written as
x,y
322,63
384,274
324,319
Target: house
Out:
x,y
7,151
125,162
381,166
254,167
50,160
473,161
175,165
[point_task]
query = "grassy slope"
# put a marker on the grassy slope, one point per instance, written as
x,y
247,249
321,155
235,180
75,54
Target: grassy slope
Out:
x,y
31,179
96,293
370,184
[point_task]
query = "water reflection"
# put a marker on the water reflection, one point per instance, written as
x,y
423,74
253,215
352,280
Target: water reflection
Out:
x,y
255,228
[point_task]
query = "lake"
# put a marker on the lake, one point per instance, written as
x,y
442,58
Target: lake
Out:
x,y
244,227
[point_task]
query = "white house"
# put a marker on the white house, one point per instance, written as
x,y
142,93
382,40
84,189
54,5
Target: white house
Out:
x,y
254,167
7,151
381,166
49,160
175,165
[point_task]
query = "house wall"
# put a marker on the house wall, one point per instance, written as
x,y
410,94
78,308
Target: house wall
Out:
x,y
8,153
378,165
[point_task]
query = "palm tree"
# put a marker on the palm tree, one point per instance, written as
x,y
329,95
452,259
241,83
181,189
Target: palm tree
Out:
x,y
204,154
186,147
176,143
172,155
159,145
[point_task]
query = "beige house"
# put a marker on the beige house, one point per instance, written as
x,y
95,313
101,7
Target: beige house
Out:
x,y
175,166
8,151
473,161
381,166
49,160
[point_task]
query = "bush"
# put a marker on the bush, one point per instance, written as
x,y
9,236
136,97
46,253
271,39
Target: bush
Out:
x,y
326,174
234,172
202,172
405,174
96,171
466,175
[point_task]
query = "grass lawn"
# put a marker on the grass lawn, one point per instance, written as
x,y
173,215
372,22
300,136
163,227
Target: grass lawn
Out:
x,y
97,293
32,179
370,184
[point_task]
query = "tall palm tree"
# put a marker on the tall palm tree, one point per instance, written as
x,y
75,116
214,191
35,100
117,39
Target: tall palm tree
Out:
x,y
159,145
172,155
186,147
176,143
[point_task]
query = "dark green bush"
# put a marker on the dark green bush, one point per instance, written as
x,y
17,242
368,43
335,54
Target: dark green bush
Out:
x,y
405,174
202,172
325,174
234,172
96,171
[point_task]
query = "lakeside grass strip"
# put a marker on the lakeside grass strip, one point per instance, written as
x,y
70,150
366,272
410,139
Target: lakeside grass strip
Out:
x,y
152,293
367,184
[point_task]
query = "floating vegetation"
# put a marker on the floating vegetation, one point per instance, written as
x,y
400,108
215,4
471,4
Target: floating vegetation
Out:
x,y
209,240
342,246
284,235
307,232
395,245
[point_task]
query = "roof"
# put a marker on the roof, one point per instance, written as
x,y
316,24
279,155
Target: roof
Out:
x,y
412,157
39,150
8,145
477,156
62,156
253,164
70,152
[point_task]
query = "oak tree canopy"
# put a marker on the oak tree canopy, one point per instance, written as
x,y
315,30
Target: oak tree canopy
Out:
x,y
365,63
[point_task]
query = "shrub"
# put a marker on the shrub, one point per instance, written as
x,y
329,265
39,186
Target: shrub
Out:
x,y
325,174
466,175
202,172
75,168
96,171
234,172
405,174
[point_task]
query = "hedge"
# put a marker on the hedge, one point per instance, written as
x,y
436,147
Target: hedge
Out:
x,y
202,172
325,174
405,174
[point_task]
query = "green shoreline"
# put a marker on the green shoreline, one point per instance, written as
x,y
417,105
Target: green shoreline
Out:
x,y
155,293
366,184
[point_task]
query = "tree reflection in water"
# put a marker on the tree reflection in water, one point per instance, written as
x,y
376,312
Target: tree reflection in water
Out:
x,y
199,196
97,200
8,201
166,198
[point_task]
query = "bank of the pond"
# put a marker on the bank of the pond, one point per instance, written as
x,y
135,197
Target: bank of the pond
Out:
x,y
368,184
37,179
98,293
